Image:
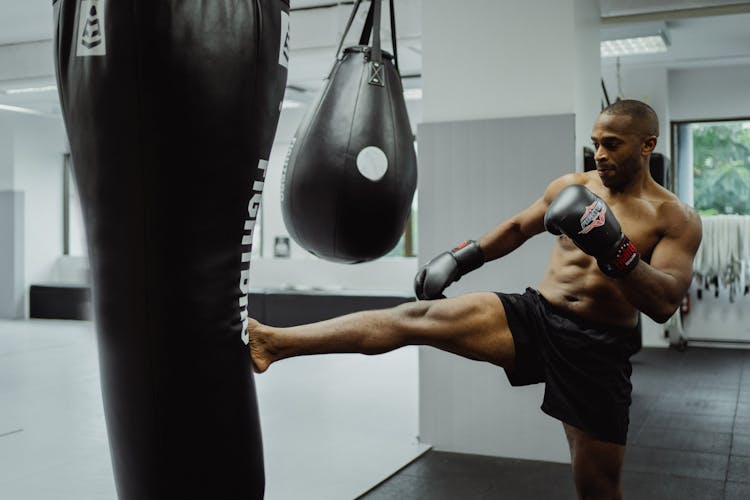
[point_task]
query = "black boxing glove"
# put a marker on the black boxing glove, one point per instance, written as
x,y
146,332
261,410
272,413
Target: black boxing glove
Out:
x,y
446,268
587,220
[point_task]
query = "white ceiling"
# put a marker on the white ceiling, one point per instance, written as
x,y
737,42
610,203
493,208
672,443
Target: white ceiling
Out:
x,y
637,7
697,39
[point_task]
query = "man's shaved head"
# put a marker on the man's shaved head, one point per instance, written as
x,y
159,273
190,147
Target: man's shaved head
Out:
x,y
643,117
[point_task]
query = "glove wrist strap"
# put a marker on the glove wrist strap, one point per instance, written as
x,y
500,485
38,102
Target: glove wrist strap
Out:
x,y
622,260
469,256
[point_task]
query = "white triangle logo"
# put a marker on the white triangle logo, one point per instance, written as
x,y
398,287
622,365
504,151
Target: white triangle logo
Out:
x,y
284,41
91,36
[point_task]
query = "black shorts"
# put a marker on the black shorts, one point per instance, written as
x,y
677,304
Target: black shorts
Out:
x,y
586,368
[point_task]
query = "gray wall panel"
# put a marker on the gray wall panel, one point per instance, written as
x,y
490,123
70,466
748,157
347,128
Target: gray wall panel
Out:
x,y
473,175
11,255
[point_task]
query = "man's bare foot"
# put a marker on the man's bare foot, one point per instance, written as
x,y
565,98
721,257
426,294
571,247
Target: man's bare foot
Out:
x,y
260,346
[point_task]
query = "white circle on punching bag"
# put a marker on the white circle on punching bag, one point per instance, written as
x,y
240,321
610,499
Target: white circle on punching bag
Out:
x,y
372,163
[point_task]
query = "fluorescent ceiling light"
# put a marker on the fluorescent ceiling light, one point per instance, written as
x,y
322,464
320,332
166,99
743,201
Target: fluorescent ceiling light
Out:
x,y
628,40
290,104
26,111
31,90
633,46
413,94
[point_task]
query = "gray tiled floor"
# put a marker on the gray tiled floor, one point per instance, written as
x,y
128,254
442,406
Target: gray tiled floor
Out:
x,y
690,428
689,439
51,416
53,442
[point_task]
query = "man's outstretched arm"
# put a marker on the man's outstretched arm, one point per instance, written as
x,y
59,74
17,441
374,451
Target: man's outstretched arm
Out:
x,y
514,232
448,267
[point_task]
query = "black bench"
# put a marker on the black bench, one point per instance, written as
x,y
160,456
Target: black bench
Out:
x,y
60,301
273,307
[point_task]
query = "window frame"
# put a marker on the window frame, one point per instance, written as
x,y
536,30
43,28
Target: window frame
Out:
x,y
674,126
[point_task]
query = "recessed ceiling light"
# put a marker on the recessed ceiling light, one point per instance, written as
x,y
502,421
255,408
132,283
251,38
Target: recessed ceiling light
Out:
x,y
31,90
26,111
290,104
653,44
633,39
413,94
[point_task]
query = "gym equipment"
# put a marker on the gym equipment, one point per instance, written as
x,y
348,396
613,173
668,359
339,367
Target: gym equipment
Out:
x,y
351,172
171,108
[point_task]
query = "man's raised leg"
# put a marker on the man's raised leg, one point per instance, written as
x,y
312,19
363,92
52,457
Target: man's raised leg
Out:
x,y
473,326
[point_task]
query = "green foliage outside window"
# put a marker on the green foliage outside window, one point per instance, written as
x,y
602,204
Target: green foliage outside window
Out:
x,y
721,168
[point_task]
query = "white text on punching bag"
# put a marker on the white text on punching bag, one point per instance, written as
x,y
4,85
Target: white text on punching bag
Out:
x,y
247,246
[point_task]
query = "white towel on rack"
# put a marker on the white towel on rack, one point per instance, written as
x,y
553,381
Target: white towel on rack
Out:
x,y
724,252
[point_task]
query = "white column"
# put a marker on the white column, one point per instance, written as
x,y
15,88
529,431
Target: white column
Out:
x,y
11,231
498,59
511,90
6,156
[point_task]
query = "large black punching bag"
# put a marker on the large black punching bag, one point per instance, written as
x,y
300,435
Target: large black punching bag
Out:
x,y
171,107
350,175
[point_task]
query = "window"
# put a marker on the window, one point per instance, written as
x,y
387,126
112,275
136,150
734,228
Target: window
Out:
x,y
713,159
407,245
74,234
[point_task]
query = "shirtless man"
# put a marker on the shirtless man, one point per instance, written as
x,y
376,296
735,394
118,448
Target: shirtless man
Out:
x,y
626,245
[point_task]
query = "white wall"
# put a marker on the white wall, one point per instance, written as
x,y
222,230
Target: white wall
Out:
x,y
717,318
525,72
393,274
11,230
6,156
11,255
38,145
27,60
588,66
710,93
646,83
520,75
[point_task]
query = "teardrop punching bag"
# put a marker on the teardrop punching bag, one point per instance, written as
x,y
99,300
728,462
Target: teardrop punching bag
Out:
x,y
171,107
351,172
